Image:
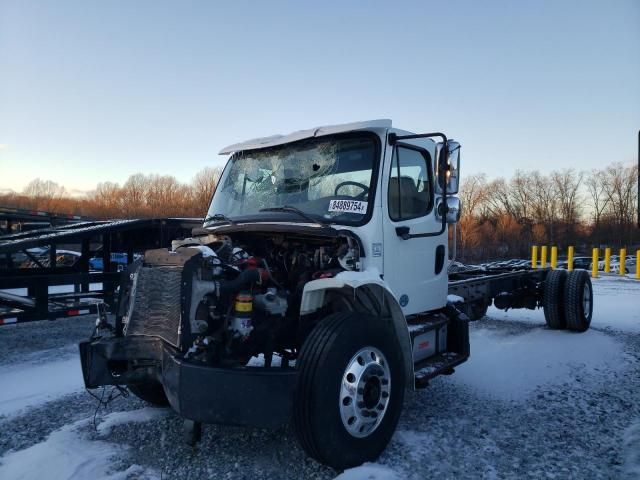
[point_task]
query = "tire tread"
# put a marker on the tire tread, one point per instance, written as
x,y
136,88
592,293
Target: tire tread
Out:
x,y
573,301
553,299
317,342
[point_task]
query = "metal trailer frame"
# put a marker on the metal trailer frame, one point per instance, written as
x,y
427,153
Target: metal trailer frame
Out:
x,y
10,216
504,287
507,287
93,237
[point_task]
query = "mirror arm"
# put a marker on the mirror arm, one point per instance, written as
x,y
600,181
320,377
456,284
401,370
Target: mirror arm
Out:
x,y
393,138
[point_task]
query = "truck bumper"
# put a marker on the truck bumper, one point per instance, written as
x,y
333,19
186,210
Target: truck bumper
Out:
x,y
252,396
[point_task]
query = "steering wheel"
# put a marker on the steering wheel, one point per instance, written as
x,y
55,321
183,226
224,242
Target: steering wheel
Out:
x,y
364,188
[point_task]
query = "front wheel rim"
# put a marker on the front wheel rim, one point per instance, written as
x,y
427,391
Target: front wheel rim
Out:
x,y
364,392
586,301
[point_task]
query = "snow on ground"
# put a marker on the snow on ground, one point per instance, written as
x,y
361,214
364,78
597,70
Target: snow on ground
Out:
x,y
67,453
631,437
134,416
513,366
369,471
529,403
31,383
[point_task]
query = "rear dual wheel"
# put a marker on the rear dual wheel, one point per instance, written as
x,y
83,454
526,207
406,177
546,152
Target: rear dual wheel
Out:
x,y
553,299
568,300
578,301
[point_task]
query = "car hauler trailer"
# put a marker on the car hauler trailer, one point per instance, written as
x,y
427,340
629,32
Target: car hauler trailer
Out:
x,y
33,290
316,291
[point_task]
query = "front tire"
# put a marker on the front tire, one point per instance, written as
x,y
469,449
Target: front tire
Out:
x,y
350,390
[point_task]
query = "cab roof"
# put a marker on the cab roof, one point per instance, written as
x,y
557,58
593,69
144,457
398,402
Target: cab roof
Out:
x,y
274,140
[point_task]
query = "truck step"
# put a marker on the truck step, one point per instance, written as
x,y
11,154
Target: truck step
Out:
x,y
439,364
418,326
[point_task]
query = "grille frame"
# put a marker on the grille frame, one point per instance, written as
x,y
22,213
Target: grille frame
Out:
x,y
155,307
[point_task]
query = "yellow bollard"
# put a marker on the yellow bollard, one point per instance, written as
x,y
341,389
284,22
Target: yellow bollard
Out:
x,y
623,260
534,257
638,264
570,259
607,260
543,256
554,257
594,263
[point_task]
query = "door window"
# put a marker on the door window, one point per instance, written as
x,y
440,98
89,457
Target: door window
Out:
x,y
410,192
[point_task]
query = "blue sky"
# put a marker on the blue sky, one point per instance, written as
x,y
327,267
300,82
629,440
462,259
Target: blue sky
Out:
x,y
93,91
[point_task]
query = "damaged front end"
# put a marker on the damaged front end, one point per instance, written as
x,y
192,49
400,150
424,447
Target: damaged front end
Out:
x,y
217,327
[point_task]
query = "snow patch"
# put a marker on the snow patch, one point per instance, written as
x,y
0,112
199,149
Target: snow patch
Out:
x,y
454,299
134,416
424,446
68,454
27,384
511,367
631,441
369,471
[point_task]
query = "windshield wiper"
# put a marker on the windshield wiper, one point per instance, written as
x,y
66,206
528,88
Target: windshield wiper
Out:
x,y
219,217
290,209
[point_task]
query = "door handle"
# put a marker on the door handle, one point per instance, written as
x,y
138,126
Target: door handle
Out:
x,y
403,232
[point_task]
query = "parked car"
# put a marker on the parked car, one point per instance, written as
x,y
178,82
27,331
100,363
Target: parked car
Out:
x,y
629,265
583,263
64,258
118,258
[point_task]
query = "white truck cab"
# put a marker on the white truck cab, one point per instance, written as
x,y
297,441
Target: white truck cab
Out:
x,y
315,291
389,196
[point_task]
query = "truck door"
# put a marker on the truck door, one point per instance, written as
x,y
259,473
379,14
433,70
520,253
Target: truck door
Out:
x,y
415,268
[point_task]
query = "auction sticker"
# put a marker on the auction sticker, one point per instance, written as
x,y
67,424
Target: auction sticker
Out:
x,y
348,206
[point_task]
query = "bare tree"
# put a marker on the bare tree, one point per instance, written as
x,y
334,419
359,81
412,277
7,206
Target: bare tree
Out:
x,y
599,200
472,195
620,188
567,187
203,185
46,193
107,199
134,193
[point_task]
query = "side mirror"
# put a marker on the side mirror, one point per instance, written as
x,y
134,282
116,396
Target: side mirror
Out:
x,y
453,209
452,174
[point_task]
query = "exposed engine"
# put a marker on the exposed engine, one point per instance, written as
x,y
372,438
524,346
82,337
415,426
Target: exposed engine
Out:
x,y
241,293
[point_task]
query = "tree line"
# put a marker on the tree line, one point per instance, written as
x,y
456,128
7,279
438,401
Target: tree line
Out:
x,y
504,217
141,196
500,218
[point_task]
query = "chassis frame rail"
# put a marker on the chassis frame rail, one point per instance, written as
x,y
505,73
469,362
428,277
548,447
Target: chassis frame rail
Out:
x,y
485,285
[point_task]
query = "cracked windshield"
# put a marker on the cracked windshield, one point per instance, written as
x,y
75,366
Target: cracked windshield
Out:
x,y
328,179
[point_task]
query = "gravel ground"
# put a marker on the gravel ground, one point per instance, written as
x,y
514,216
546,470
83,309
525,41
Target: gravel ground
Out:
x,y
569,430
35,338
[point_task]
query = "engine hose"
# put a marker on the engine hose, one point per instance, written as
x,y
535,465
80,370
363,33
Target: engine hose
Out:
x,y
266,266
246,278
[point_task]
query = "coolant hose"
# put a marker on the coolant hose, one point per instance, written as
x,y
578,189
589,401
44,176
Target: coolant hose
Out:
x,y
246,278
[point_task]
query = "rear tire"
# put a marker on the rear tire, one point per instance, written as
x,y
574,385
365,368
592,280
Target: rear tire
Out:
x,y
347,407
553,299
152,393
578,301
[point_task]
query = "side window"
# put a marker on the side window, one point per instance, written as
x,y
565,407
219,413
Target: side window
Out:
x,y
409,184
